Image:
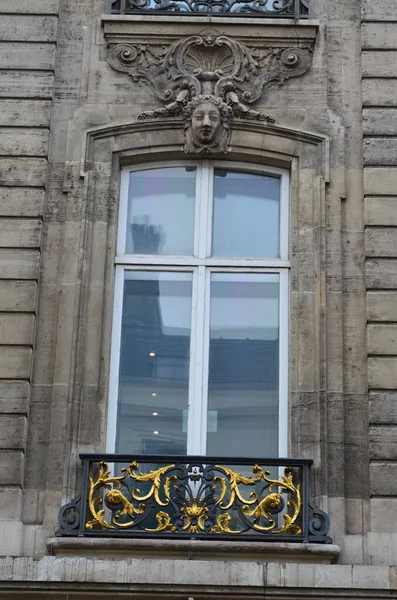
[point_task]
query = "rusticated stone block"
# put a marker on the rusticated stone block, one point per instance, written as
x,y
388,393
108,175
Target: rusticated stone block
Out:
x,y
12,432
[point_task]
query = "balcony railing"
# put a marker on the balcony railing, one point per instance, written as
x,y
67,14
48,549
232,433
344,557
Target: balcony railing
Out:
x,y
290,9
195,497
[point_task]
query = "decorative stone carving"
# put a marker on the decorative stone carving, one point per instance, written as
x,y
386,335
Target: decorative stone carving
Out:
x,y
208,79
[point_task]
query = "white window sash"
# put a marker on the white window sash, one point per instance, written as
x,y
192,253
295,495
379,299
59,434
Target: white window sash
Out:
x,y
202,265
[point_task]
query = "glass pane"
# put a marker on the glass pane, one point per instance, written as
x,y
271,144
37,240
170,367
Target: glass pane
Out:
x,y
154,363
161,206
243,365
246,215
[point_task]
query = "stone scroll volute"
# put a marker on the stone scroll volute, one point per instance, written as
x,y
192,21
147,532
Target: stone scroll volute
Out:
x,y
207,80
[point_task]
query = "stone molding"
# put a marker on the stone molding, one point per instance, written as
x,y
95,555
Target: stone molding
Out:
x,y
148,578
119,29
239,550
107,148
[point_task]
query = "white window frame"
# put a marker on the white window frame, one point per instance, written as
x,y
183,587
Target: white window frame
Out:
x,y
201,265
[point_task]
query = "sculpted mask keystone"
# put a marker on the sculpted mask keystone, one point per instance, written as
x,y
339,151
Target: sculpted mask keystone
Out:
x,y
208,79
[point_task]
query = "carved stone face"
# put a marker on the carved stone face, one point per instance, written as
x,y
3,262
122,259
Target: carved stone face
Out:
x,y
206,123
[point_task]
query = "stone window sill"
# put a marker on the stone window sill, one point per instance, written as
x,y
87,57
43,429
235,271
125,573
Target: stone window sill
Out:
x,y
278,552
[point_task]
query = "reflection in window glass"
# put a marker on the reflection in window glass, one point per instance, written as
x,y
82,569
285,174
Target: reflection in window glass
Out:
x,y
154,363
243,365
161,206
246,215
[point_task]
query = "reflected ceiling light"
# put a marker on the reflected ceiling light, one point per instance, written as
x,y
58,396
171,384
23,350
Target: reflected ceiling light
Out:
x,y
155,432
154,394
155,414
152,354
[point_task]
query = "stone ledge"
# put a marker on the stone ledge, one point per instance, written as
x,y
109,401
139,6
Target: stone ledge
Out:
x,y
152,579
279,552
256,31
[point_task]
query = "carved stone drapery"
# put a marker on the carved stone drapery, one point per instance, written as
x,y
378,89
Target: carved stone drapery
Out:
x,y
207,79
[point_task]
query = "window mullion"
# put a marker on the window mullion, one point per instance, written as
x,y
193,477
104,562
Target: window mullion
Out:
x,y
196,423
204,199
210,208
205,361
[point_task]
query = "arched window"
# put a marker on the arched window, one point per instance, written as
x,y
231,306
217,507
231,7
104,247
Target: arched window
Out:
x,y
200,332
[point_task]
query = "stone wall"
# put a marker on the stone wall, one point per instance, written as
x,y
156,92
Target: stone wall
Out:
x,y
28,34
379,89
58,224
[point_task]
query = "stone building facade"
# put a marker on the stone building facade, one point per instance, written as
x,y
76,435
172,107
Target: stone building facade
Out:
x,y
74,80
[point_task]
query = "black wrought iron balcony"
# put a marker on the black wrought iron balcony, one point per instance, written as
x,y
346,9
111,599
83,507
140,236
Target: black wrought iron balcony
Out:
x,y
287,9
194,497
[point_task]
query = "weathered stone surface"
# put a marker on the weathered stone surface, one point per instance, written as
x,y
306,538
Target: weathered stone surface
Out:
x,y
19,264
383,442
21,202
379,121
382,407
25,113
14,396
26,84
18,296
28,28
381,242
381,510
381,274
23,141
26,142
382,373
11,467
381,210
10,508
378,11
12,431
16,329
380,92
15,362
382,306
16,55
379,35
378,64
46,7
23,171
380,181
20,233
380,151
383,479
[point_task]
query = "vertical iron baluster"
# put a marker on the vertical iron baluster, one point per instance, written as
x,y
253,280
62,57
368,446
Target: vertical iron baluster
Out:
x,y
84,495
305,503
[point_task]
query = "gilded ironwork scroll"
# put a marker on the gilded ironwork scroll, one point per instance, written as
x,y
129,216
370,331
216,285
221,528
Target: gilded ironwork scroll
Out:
x,y
196,499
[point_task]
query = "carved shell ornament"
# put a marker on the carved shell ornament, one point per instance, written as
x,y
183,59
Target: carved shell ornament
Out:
x,y
207,80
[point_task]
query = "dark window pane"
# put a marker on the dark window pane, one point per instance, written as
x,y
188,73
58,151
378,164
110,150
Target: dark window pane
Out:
x,y
246,215
154,363
243,365
161,205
